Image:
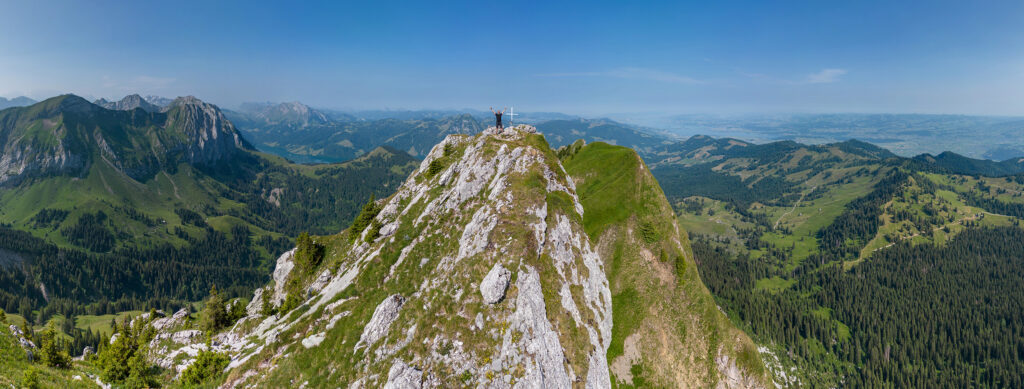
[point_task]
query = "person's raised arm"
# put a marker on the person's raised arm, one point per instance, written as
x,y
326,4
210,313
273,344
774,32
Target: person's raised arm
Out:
x,y
492,110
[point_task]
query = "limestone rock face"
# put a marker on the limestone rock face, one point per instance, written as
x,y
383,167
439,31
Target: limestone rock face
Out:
x,y
255,306
380,322
402,376
211,136
493,287
284,266
398,305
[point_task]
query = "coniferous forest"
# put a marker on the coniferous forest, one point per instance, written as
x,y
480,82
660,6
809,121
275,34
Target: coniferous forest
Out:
x,y
913,316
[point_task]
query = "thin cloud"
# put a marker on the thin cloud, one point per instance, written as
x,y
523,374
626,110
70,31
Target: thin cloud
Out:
x,y
633,74
825,76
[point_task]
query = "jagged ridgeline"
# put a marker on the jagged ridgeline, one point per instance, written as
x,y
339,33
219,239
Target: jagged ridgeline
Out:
x,y
486,269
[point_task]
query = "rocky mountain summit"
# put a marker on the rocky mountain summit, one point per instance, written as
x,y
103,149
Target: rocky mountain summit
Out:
x,y
128,103
67,134
485,269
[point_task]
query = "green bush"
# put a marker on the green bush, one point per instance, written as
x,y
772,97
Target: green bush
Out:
x,y
291,301
374,231
365,218
267,307
309,254
208,364
436,166
30,379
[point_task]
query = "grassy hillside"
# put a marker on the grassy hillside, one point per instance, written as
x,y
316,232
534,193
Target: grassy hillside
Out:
x,y
804,246
15,365
661,307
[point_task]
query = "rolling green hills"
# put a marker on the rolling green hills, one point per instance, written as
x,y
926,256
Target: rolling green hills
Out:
x,y
837,255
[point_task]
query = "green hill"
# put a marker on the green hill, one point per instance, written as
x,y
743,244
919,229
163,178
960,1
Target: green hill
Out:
x,y
826,251
667,330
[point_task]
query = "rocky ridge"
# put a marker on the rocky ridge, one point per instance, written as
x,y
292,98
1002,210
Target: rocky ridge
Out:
x,y
477,272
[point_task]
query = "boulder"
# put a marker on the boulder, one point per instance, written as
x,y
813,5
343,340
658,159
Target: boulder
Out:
x,y
380,322
494,285
403,376
284,266
255,306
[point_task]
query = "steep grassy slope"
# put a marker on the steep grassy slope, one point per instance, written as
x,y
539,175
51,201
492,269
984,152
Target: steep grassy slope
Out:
x,y
15,365
667,330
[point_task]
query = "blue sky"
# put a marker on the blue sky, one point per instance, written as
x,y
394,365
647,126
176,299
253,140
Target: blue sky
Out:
x,y
588,58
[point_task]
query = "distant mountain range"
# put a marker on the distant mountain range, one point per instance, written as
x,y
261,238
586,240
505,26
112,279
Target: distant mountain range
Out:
x,y
15,102
700,149
131,102
303,134
992,137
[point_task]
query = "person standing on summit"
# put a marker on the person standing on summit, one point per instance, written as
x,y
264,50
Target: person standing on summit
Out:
x,y
497,117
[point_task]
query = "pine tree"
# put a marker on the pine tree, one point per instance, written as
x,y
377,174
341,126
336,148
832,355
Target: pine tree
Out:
x,y
113,357
215,314
51,349
139,374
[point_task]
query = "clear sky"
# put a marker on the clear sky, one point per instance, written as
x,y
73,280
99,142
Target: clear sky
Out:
x,y
592,58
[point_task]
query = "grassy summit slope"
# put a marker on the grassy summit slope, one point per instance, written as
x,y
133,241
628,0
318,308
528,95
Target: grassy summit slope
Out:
x,y
667,330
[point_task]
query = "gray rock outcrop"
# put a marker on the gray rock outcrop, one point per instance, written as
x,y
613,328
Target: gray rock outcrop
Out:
x,y
285,264
380,322
494,285
403,376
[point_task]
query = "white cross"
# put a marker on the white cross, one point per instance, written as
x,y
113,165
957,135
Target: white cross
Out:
x,y
511,115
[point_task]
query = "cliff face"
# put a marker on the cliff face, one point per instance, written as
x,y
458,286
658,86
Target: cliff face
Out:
x,y
66,134
479,271
208,135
